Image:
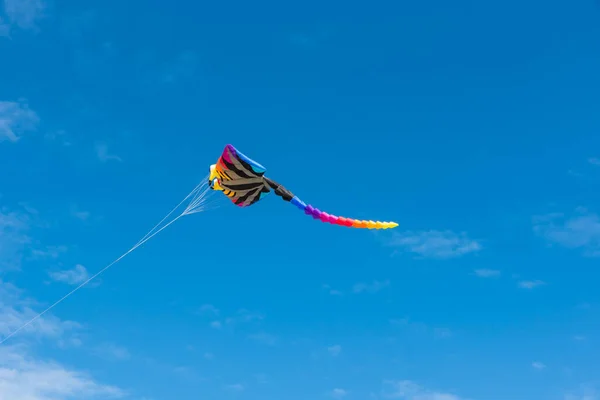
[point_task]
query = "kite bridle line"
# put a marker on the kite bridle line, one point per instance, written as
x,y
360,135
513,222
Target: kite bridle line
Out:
x,y
196,205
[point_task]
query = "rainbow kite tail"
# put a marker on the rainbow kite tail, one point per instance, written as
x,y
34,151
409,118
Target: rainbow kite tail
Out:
x,y
335,220
288,196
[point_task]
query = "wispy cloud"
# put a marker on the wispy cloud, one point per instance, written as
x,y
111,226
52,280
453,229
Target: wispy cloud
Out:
x,y
372,287
14,236
332,291
209,309
4,28
487,273
59,136
594,161
578,231
26,378
16,310
24,14
335,350
18,244
435,244
538,365
23,376
74,276
261,378
51,252
338,393
103,154
16,119
420,327
113,351
409,390
530,284
585,392
80,214
235,387
442,332
244,316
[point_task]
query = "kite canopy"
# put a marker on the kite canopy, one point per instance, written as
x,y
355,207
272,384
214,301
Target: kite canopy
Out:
x,y
239,177
242,180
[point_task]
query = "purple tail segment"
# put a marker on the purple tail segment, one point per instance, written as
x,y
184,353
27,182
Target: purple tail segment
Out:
x,y
335,220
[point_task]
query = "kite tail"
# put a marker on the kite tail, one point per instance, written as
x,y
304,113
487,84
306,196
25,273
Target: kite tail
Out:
x,y
323,216
335,220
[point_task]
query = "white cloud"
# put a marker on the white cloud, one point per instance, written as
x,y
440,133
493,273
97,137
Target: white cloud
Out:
x,y
25,13
80,214
16,310
580,231
103,154
74,276
373,287
538,365
4,28
16,227
530,284
261,378
49,252
244,316
24,377
585,392
16,242
420,327
408,390
14,237
16,119
435,244
338,393
487,273
209,309
442,332
236,387
111,350
335,350
594,161
59,136
333,292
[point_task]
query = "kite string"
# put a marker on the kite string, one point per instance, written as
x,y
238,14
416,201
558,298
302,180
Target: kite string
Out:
x,y
198,199
195,190
144,239
209,203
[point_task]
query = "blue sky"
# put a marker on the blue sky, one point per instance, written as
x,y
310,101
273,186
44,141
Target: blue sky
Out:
x,y
473,124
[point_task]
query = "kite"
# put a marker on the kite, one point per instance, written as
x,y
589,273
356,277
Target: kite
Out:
x,y
243,180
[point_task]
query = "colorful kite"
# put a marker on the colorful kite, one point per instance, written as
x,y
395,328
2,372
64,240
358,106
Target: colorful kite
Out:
x,y
243,181
240,179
